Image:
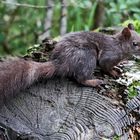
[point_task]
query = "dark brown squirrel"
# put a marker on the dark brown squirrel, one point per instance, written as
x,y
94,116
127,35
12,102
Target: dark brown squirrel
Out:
x,y
76,55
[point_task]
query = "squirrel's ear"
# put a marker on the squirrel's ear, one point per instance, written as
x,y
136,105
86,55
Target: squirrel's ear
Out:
x,y
131,26
126,33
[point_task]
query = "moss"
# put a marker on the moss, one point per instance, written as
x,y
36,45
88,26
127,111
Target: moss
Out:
x,y
132,89
116,137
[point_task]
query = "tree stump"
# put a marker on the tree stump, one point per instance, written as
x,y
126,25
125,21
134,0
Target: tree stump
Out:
x,y
60,109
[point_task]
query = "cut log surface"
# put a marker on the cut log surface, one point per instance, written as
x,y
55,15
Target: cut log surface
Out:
x,y
60,109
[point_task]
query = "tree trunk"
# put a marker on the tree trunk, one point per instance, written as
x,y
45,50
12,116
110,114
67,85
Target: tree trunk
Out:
x,y
99,14
63,20
48,19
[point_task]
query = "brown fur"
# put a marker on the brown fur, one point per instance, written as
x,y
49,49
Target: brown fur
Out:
x,y
18,74
76,55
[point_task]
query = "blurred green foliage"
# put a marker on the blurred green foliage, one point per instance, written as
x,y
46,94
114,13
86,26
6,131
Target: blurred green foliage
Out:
x,y
20,26
136,24
133,89
121,10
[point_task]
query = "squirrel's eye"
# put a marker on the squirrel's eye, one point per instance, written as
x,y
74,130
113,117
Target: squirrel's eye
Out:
x,y
135,44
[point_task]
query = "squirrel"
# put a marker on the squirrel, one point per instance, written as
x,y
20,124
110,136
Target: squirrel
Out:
x,y
76,55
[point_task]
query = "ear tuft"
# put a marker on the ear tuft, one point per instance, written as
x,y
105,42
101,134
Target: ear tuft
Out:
x,y
126,33
131,26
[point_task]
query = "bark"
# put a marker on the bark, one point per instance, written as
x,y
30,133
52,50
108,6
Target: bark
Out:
x,y
49,16
63,20
99,14
60,109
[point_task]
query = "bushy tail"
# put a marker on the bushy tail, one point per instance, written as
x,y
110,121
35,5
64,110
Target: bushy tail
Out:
x,y
46,70
18,74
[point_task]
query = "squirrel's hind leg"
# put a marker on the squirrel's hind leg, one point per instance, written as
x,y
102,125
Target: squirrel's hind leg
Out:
x,y
84,70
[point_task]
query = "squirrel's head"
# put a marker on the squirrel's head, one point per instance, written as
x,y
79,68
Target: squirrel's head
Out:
x,y
130,39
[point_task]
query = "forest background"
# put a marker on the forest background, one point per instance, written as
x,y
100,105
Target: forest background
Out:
x,y
23,23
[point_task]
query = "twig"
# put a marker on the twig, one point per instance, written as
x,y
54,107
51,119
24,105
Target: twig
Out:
x,y
27,5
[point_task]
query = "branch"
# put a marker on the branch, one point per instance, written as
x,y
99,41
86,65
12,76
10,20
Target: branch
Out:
x,y
27,5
